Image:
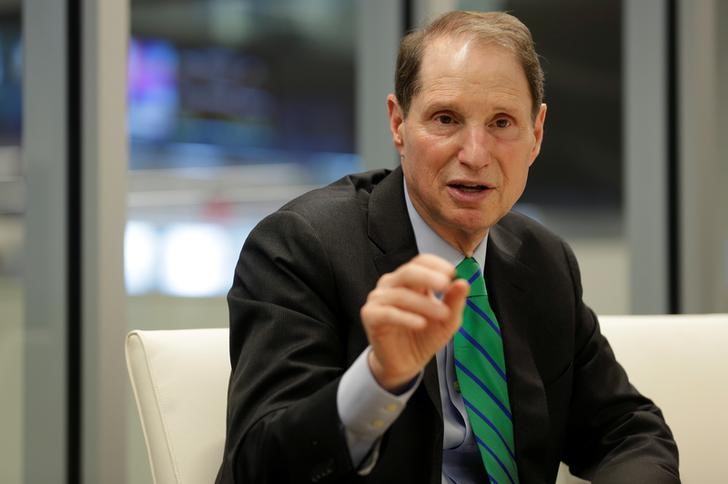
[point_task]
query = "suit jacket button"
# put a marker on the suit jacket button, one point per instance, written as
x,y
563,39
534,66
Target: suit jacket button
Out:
x,y
322,470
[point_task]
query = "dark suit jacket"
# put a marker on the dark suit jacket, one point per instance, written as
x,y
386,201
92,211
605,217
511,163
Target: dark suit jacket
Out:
x,y
302,277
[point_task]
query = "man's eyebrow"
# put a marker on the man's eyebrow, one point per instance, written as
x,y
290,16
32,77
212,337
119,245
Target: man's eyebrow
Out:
x,y
441,106
453,105
513,108
450,104
505,108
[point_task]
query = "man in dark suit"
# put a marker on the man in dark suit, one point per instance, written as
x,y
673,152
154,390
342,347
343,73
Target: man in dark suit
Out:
x,y
345,305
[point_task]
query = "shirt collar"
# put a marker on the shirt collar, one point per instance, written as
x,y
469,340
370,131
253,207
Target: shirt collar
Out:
x,y
429,242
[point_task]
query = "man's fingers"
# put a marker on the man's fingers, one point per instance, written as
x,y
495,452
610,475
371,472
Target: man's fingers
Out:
x,y
424,273
424,304
416,277
378,317
406,308
455,297
435,263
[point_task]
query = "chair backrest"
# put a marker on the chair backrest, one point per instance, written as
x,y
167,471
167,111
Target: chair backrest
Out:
x,y
179,379
180,382
679,361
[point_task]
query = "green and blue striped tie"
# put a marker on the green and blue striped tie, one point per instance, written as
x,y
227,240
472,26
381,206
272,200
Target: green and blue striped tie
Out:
x,y
481,373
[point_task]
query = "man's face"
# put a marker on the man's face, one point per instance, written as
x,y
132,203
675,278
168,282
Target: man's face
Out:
x,y
468,139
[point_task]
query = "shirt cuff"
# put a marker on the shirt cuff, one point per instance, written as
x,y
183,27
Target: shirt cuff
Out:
x,y
367,410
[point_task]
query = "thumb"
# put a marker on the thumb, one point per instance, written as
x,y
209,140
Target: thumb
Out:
x,y
454,298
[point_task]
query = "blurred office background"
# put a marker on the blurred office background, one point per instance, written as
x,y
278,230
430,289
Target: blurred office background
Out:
x,y
141,140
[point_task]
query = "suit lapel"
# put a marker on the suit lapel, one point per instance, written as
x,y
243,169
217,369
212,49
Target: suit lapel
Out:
x,y
389,226
390,230
509,284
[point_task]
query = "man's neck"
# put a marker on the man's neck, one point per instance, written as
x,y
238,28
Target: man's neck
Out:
x,y
429,241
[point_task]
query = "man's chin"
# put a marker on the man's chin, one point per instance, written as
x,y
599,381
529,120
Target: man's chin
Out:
x,y
476,220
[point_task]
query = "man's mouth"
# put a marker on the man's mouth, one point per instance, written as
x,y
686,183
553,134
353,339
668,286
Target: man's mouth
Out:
x,y
469,187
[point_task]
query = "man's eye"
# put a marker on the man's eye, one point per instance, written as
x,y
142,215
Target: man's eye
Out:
x,y
502,123
445,119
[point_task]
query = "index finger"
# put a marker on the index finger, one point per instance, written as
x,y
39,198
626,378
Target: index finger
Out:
x,y
435,263
423,273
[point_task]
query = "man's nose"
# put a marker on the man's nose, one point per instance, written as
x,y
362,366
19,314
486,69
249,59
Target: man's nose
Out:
x,y
475,146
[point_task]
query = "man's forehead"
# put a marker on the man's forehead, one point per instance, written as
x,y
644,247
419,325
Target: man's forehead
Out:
x,y
456,48
448,57
458,53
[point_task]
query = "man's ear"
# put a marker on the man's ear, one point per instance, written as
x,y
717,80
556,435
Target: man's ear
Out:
x,y
538,125
396,119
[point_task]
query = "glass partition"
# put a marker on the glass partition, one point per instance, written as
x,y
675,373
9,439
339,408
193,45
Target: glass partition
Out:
x,y
12,240
234,107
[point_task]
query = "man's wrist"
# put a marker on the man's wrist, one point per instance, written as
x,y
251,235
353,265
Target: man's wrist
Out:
x,y
395,385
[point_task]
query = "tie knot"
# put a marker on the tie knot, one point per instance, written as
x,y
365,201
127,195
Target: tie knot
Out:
x,y
469,270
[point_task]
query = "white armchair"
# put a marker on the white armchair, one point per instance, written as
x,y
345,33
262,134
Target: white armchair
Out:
x,y
681,362
180,379
180,384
